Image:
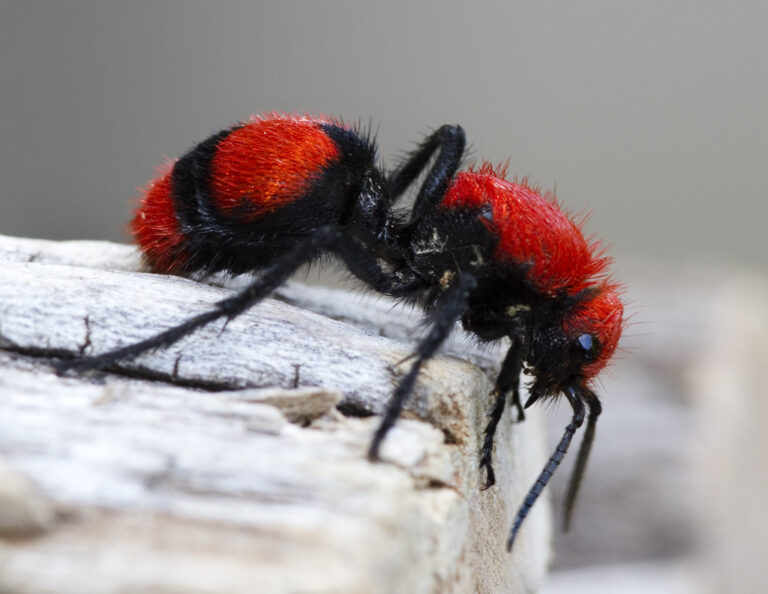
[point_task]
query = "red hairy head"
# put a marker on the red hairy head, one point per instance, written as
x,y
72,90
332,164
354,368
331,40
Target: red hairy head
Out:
x,y
602,317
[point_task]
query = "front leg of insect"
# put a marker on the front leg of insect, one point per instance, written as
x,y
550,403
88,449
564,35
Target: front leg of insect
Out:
x,y
507,382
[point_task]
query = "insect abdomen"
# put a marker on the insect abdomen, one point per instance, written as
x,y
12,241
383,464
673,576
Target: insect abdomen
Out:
x,y
225,198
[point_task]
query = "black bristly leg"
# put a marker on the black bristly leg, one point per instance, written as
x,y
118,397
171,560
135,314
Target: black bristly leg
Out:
x,y
447,311
269,279
450,141
595,408
486,453
367,267
516,398
576,401
507,380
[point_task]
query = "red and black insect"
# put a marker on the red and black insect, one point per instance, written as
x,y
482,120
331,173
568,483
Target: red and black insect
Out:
x,y
279,191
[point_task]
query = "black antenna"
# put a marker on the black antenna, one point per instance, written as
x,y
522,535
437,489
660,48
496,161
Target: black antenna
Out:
x,y
595,408
577,403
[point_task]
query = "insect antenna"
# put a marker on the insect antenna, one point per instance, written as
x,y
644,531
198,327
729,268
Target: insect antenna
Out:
x,y
576,401
595,408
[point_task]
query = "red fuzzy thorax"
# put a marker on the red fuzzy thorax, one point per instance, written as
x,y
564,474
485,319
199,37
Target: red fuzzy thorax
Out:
x,y
532,231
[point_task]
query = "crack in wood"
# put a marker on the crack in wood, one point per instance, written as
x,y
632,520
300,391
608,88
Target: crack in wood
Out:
x,y
87,341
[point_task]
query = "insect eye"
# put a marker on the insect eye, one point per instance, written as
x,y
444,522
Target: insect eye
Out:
x,y
588,346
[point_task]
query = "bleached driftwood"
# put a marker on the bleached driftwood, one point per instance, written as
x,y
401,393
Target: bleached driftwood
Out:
x,y
222,464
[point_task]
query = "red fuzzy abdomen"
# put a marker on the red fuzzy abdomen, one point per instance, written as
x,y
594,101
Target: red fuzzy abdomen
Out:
x,y
255,169
156,228
532,230
268,163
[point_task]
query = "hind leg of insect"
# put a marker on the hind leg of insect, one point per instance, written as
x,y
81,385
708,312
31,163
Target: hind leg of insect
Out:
x,y
323,239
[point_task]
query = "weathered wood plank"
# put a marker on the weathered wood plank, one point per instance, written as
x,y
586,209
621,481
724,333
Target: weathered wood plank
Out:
x,y
221,464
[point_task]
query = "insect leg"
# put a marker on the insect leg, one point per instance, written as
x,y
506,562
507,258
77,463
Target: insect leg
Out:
x,y
450,141
448,309
269,279
508,380
362,262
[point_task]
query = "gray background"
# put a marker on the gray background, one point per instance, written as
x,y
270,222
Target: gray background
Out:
x,y
651,115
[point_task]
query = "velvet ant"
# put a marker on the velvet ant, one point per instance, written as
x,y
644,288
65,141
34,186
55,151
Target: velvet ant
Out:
x,y
280,191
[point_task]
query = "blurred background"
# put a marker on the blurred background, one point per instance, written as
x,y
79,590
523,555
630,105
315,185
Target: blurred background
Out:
x,y
650,115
